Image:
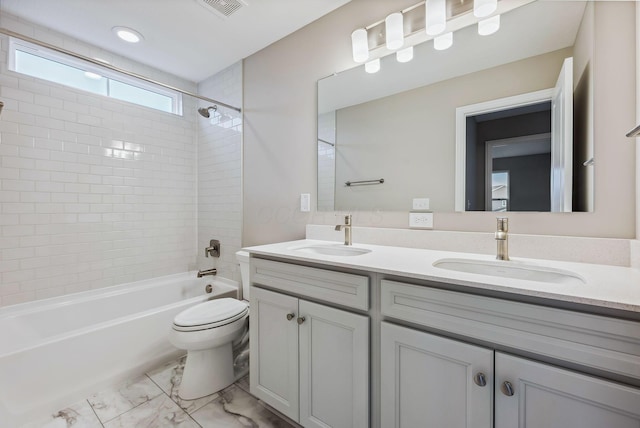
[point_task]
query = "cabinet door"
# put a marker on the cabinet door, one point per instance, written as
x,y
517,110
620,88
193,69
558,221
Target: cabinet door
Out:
x,y
544,396
431,381
334,367
274,350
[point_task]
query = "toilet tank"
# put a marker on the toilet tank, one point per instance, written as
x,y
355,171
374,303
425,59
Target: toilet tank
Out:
x,y
243,259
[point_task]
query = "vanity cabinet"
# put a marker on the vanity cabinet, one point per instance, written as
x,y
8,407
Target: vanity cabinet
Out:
x,y
309,361
435,381
447,382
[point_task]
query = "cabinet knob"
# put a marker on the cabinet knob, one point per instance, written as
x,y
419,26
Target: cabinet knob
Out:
x,y
290,316
301,320
507,388
480,379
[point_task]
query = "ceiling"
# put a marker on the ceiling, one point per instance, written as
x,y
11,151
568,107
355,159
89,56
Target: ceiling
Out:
x,y
182,37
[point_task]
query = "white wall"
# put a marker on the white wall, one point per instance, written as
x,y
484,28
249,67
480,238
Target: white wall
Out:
x,y
280,131
220,172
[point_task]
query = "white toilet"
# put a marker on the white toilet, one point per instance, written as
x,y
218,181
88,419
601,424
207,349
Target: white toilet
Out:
x,y
207,331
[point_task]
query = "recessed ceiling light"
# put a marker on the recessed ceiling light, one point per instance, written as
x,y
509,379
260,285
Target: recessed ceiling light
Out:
x,y
128,34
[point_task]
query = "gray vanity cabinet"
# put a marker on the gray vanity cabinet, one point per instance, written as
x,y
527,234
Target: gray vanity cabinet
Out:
x,y
309,361
547,396
432,381
436,379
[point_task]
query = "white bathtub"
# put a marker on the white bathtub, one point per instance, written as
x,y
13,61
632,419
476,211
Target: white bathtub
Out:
x,y
56,351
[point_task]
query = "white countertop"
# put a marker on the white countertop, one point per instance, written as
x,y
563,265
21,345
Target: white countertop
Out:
x,y
605,286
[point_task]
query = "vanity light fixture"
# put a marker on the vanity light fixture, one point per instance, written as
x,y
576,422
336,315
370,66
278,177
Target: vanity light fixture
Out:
x,y
400,31
489,26
360,45
443,42
405,55
484,8
394,28
127,34
372,66
435,16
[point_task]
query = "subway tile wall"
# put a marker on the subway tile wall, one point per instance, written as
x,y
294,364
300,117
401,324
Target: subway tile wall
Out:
x,y
220,173
93,191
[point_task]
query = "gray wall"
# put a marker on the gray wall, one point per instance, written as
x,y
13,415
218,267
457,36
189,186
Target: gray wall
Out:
x,y
280,131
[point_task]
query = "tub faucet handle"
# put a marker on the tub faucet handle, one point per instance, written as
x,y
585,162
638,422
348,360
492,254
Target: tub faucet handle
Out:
x,y
213,249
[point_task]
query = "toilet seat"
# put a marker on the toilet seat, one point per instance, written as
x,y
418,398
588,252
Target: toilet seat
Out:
x,y
211,314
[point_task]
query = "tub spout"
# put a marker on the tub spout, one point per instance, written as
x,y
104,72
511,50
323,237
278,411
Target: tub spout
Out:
x,y
206,272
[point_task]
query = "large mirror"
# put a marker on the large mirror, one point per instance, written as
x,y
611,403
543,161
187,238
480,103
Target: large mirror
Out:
x,y
499,123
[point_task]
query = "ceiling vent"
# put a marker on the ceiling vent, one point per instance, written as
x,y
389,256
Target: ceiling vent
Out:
x,y
223,8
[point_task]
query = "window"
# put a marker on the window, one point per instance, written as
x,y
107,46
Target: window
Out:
x,y
37,61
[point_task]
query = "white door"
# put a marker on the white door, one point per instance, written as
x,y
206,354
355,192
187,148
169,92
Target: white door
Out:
x,y
334,367
562,140
431,381
274,350
544,396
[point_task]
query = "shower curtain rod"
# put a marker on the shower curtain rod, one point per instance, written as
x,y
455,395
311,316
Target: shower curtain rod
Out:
x,y
113,68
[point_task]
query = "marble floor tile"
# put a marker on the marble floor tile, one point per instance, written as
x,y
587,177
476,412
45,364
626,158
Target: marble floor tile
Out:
x,y
237,409
168,378
159,412
113,402
79,415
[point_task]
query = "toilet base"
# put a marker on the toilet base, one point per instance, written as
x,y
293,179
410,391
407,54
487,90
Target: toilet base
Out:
x,y
206,371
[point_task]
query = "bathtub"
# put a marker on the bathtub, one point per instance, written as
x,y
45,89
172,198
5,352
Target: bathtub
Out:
x,y
56,351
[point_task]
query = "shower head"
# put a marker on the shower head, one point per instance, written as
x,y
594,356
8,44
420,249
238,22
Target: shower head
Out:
x,y
204,112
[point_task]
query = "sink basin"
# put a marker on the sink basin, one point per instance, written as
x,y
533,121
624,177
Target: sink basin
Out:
x,y
511,269
333,250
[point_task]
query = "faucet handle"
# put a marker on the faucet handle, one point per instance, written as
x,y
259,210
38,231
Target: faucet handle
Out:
x,y
347,220
502,224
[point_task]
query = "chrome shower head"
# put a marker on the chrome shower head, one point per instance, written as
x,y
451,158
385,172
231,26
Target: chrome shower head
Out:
x,y
204,112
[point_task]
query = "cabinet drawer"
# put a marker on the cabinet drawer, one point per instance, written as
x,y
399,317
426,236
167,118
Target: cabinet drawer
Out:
x,y
603,343
335,287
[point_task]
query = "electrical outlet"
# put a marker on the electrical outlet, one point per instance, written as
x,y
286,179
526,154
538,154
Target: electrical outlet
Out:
x,y
305,202
421,220
420,204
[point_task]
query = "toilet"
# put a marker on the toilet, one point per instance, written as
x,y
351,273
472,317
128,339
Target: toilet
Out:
x,y
211,333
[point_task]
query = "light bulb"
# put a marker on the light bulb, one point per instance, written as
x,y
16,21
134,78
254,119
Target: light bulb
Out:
x,y
443,42
394,27
436,16
372,66
489,25
360,45
482,8
405,55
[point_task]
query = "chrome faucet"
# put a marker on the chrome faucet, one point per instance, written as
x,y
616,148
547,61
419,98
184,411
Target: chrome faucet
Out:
x,y
206,272
347,229
502,238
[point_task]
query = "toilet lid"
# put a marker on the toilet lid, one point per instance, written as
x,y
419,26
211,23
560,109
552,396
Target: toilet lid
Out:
x,y
214,311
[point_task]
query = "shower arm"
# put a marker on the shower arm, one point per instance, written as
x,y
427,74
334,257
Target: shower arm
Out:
x,y
111,67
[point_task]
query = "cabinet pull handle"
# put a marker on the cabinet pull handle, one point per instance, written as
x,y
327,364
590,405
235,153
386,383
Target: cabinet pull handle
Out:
x,y
507,388
290,316
301,320
480,379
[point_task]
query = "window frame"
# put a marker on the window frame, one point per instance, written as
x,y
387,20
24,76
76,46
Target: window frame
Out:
x,y
87,66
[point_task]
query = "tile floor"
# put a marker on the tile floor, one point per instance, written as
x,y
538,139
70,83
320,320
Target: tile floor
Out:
x,y
152,401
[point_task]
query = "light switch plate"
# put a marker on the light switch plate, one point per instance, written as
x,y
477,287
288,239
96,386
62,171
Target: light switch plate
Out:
x,y
305,202
420,204
421,220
